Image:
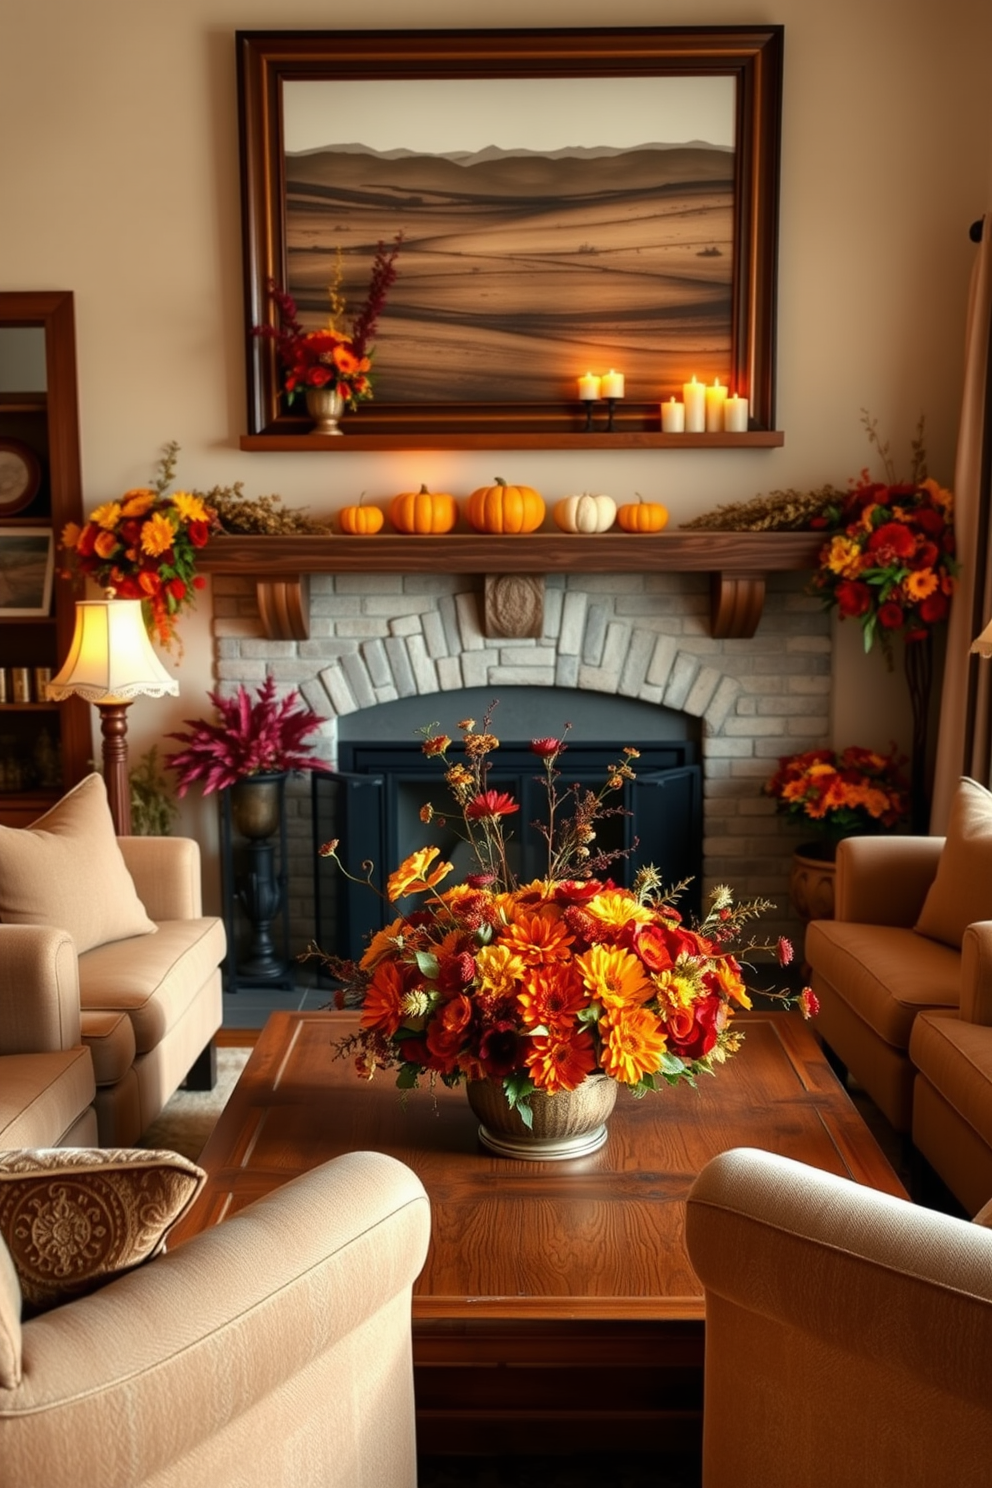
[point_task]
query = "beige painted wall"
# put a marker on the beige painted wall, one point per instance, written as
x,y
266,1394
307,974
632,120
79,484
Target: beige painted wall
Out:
x,y
119,180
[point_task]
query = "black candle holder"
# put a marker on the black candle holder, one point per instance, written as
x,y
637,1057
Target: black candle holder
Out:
x,y
611,404
590,404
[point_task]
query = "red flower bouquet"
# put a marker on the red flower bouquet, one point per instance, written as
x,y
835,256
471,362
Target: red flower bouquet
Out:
x,y
144,546
340,361
537,986
891,566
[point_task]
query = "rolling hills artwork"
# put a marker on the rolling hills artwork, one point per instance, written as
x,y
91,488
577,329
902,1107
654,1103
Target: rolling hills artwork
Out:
x,y
522,269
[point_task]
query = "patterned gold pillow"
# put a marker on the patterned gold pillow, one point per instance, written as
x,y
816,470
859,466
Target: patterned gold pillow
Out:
x,y
73,1218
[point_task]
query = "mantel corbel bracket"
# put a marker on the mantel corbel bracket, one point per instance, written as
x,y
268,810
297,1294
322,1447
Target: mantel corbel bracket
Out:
x,y
513,606
736,603
284,607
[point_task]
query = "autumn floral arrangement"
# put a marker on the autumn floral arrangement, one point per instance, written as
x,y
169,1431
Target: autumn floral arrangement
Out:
x,y
330,357
844,792
145,546
539,985
890,564
261,737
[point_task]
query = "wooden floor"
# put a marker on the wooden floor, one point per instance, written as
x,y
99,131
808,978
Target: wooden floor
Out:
x,y
541,1276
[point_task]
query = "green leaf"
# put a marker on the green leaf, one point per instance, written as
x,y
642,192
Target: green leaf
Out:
x,y
427,965
518,1088
407,1077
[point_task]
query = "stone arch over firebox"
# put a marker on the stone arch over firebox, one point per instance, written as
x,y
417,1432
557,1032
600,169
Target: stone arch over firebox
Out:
x,y
375,638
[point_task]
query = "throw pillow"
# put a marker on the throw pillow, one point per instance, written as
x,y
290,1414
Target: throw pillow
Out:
x,y
73,1218
67,870
961,892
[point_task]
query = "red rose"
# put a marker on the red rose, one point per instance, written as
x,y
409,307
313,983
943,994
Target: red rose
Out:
x,y
890,615
652,946
853,598
926,556
934,608
199,582
87,540
692,1032
199,534
929,521
176,588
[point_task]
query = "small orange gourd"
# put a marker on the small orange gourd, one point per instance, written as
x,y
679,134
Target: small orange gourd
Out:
x,y
423,511
503,508
361,520
642,516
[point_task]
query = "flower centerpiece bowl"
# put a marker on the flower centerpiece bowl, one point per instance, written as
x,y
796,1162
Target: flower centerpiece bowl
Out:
x,y
543,998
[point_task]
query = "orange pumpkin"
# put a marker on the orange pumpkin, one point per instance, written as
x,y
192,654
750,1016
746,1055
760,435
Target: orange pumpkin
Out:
x,y
360,520
642,516
503,508
423,511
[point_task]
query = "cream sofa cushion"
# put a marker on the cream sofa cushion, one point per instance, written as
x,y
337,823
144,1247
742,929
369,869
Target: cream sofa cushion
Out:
x,y
961,892
66,870
10,1323
74,1218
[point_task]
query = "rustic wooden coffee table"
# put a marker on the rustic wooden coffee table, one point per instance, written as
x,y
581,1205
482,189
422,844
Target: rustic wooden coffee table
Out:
x,y
557,1305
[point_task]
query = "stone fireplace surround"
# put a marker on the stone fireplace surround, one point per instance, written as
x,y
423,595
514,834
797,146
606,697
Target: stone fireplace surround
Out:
x,y
378,637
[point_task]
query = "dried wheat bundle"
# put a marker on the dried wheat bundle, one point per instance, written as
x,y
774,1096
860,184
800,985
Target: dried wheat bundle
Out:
x,y
258,514
779,511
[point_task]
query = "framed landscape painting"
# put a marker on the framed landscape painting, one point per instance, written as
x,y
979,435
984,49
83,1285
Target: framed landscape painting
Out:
x,y
27,567
568,201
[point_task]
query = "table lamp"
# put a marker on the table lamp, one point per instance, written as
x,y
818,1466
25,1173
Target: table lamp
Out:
x,y
982,644
110,663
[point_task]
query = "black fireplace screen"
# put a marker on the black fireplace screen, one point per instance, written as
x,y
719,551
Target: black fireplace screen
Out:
x,y
372,805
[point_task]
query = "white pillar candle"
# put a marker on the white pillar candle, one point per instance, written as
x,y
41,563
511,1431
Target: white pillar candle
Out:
x,y
611,386
673,417
735,415
589,388
716,397
694,394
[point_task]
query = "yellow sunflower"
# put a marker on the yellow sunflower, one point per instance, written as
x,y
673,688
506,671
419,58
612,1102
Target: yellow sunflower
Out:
x,y
107,515
190,507
157,535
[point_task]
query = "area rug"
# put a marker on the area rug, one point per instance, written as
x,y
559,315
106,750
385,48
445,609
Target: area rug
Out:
x,y
190,1116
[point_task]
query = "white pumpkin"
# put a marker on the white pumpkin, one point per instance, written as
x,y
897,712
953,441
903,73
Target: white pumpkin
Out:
x,y
585,513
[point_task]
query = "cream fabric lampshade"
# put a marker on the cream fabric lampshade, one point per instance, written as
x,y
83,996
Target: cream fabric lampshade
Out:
x,y
111,659
982,644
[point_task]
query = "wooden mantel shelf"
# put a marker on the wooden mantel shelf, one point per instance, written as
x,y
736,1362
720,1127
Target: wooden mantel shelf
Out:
x,y
423,437
738,563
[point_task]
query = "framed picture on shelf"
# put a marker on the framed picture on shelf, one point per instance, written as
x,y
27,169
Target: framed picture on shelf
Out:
x,y
20,476
27,571
569,201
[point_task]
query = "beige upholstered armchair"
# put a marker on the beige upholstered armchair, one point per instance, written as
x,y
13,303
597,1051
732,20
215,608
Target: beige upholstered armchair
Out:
x,y
848,1333
104,943
272,1350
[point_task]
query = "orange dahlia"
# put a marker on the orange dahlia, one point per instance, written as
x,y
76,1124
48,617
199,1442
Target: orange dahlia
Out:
x,y
551,996
558,1063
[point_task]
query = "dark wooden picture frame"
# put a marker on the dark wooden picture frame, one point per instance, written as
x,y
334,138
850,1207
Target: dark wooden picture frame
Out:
x,y
750,55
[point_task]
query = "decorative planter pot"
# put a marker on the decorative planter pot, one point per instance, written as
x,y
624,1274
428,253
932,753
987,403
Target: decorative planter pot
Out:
x,y
325,407
255,805
811,882
571,1123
